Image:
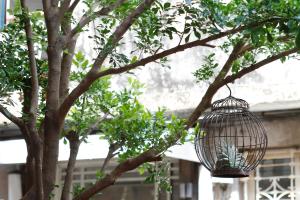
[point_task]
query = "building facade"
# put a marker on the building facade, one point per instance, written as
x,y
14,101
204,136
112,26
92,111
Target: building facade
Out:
x,y
276,178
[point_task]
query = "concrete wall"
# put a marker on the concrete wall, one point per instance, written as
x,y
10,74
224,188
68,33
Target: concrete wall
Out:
x,y
175,88
283,131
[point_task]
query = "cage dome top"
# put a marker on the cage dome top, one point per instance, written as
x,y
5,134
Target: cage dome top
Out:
x,y
230,102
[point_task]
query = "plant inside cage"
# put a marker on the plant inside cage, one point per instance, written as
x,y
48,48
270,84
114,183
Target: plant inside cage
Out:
x,y
229,157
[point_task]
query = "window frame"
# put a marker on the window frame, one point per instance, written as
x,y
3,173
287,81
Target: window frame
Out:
x,y
293,190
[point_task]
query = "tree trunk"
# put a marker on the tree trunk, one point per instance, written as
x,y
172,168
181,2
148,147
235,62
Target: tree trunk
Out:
x,y
50,156
52,123
28,175
74,147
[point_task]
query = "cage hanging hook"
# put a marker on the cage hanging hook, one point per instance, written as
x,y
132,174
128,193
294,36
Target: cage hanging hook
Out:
x,y
228,89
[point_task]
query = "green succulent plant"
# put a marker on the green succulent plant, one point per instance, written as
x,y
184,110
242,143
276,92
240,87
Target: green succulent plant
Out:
x,y
228,155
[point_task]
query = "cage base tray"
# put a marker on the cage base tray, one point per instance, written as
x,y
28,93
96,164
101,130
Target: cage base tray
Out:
x,y
229,173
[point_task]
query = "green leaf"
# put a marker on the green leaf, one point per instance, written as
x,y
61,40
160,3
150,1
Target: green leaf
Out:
x,y
197,34
85,64
167,5
187,38
134,59
79,56
187,30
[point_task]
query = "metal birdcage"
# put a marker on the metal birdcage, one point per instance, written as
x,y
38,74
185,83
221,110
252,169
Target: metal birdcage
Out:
x,y
231,141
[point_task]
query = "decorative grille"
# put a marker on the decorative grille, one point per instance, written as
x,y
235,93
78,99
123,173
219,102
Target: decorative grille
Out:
x,y
278,178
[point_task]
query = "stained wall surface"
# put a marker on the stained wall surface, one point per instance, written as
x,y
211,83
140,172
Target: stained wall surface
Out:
x,y
283,131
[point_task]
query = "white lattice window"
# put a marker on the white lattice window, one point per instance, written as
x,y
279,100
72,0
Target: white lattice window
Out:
x,y
130,186
278,178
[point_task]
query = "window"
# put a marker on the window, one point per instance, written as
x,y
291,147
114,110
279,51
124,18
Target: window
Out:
x,y
129,186
278,178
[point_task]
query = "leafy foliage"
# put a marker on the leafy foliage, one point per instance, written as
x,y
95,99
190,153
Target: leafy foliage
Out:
x,y
119,117
207,69
159,173
277,35
14,63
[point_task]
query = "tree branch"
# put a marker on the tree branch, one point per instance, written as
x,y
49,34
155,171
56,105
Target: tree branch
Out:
x,y
110,179
236,53
179,48
66,70
249,47
33,68
64,7
86,19
33,109
92,74
151,154
111,153
11,117
73,6
74,142
67,59
52,125
216,85
213,87
257,65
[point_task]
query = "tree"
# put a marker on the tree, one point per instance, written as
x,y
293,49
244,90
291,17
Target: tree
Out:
x,y
253,33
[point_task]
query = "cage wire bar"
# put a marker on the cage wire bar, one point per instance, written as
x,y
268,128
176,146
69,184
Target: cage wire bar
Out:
x,y
231,141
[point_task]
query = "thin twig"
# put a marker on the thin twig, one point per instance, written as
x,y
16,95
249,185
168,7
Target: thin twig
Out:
x,y
87,18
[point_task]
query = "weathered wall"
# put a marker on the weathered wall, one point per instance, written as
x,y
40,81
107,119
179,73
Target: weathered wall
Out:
x,y
175,88
283,131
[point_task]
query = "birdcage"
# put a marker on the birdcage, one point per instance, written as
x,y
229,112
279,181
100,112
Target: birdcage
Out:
x,y
231,141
